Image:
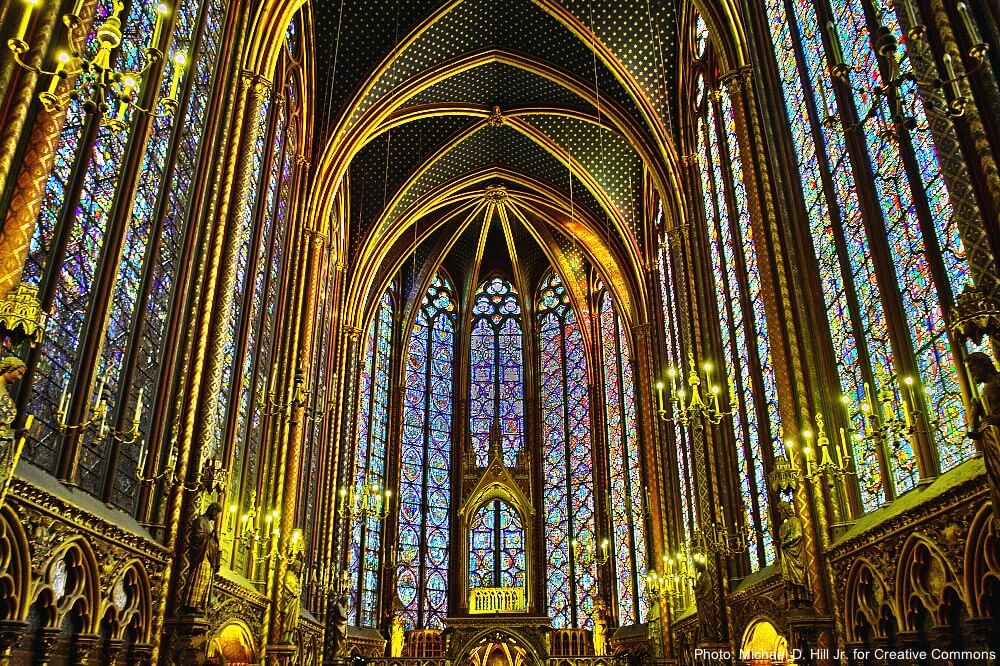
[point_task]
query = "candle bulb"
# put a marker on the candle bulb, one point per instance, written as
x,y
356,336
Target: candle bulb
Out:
x,y
141,464
970,26
100,388
949,74
910,13
868,398
886,399
659,395
64,398
138,407
61,60
161,15
128,85
836,55
22,29
180,60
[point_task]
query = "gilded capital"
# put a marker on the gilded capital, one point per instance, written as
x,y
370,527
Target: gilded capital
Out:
x,y
259,86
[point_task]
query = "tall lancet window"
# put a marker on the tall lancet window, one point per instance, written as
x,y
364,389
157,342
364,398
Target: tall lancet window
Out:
x,y
261,272
743,329
425,478
567,460
912,228
497,381
682,435
364,554
65,255
628,530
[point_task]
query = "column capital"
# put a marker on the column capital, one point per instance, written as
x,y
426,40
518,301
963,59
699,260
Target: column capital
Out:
x,y
257,83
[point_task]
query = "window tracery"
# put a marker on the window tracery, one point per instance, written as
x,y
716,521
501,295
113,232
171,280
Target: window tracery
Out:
x,y
743,330
425,490
627,504
497,370
567,459
143,288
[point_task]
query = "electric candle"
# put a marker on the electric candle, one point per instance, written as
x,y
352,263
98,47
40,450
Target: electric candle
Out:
x,y
970,26
22,29
161,15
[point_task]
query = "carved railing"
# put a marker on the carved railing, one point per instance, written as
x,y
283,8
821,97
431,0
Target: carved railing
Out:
x,y
497,600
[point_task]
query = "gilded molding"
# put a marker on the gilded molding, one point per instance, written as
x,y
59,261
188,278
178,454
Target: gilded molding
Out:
x,y
29,500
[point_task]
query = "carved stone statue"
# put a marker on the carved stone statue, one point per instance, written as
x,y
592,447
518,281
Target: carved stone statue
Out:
x,y
202,560
291,600
653,625
793,561
397,636
984,421
11,370
600,629
338,623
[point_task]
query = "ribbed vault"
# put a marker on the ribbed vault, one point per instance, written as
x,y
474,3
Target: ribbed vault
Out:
x,y
425,106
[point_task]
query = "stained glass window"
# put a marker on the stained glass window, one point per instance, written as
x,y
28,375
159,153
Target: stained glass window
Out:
x,y
496,547
145,273
364,553
700,36
497,370
672,337
628,532
425,478
854,298
252,378
745,343
567,460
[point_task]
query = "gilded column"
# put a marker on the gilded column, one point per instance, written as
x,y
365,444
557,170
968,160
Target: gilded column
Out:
x,y
655,469
350,340
709,587
19,85
246,132
777,298
328,520
289,471
967,215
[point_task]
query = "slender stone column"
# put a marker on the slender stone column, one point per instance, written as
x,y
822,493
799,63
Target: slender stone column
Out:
x,y
240,180
20,96
777,297
289,470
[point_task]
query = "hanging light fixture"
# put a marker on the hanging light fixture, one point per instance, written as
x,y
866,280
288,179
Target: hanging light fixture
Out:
x,y
106,90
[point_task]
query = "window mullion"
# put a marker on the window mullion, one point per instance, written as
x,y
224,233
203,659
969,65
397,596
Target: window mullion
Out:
x,y
424,490
835,215
571,535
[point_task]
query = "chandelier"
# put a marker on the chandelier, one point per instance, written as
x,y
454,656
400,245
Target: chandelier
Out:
x,y
891,91
106,90
689,404
372,500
